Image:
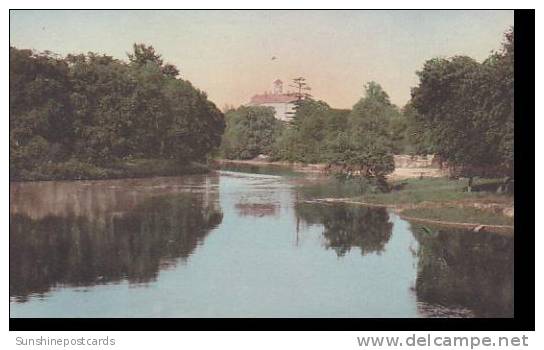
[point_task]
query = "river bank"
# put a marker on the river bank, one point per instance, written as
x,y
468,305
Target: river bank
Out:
x,y
318,168
406,167
121,169
430,200
442,201
103,245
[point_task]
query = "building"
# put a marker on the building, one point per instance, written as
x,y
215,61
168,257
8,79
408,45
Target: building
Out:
x,y
281,102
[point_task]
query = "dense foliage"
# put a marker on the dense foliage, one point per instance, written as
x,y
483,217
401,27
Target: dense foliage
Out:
x,y
366,146
82,114
93,110
462,110
313,125
465,111
357,142
250,131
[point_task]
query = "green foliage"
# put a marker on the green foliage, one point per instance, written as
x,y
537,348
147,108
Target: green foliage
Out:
x,y
366,148
250,131
467,111
40,113
74,169
372,113
314,125
364,155
414,191
96,109
456,213
418,135
357,143
304,140
354,143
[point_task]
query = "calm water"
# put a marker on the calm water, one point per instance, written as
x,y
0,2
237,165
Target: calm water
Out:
x,y
233,244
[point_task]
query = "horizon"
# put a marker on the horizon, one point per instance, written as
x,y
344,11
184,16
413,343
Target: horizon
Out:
x,y
343,50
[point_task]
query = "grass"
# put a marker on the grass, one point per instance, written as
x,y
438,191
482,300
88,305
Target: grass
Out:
x,y
460,214
444,199
415,191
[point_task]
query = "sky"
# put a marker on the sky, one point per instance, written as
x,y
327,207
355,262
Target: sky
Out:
x,y
229,54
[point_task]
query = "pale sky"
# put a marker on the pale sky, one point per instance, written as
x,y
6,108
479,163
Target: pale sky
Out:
x,y
229,54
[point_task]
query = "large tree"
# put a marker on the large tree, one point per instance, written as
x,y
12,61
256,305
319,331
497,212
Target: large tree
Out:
x,y
365,147
314,124
250,131
467,109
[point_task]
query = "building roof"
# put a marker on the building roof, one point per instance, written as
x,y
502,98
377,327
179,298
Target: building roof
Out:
x,y
273,98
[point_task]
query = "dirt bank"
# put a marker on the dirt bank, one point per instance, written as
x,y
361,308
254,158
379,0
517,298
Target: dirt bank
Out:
x,y
404,169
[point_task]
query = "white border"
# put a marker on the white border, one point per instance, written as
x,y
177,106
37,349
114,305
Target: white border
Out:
x,y
254,340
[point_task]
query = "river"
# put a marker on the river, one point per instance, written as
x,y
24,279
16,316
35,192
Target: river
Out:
x,y
239,244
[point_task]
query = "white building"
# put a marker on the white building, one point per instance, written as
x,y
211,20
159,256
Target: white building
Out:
x,y
281,102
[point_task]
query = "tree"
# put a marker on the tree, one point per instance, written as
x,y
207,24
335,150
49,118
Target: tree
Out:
x,y
498,99
305,140
105,119
40,113
468,110
418,136
301,94
365,148
372,114
95,109
250,131
143,55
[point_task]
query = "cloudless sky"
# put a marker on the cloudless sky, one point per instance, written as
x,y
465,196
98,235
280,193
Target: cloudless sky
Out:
x,y
229,54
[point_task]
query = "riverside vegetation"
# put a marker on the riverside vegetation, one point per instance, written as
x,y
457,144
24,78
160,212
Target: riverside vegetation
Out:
x,y
462,111
91,116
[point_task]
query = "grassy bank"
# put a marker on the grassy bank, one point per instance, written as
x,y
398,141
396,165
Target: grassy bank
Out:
x,y
435,199
133,168
447,200
437,190
469,215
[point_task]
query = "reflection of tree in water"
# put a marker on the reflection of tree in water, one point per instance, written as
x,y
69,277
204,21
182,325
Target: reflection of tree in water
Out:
x,y
466,269
348,226
73,250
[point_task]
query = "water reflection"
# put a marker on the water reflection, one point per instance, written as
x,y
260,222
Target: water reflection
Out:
x,y
266,169
464,270
113,236
257,209
116,233
348,226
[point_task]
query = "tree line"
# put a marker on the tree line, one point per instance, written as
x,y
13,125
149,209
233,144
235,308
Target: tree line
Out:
x,y
361,140
80,114
462,111
92,110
